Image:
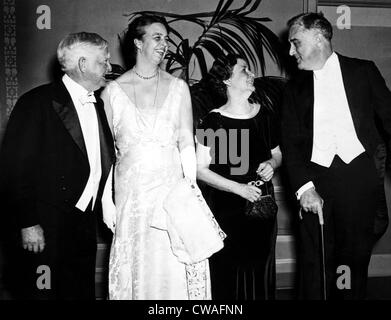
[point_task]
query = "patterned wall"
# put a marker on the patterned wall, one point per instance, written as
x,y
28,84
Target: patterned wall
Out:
x,y
9,73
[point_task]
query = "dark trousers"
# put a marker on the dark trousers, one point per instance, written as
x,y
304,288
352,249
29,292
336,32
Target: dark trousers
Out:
x,y
349,194
69,255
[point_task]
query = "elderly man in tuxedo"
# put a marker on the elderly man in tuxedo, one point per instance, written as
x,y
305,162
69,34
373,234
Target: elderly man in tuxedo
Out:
x,y
55,160
335,158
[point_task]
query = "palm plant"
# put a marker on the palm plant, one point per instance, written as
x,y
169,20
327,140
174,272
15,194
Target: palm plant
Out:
x,y
223,30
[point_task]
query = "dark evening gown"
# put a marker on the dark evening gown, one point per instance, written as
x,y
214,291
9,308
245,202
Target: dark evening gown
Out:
x,y
245,268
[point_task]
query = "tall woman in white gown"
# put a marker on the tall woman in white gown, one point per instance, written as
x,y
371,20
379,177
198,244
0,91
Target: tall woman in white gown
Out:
x,y
151,119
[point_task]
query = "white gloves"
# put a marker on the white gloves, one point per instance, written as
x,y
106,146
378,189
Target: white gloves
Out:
x,y
108,207
189,162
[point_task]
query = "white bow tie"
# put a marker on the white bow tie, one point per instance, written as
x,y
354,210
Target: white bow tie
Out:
x,y
90,98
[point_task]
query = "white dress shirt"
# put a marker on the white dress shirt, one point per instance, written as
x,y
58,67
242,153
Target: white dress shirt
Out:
x,y
83,102
334,132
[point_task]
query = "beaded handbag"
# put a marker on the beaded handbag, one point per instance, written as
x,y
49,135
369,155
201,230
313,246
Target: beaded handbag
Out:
x,y
265,207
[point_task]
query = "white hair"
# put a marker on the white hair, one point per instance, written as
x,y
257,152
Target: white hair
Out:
x,y
76,45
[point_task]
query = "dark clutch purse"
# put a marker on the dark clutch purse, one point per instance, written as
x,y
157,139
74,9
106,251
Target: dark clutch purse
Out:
x,y
265,208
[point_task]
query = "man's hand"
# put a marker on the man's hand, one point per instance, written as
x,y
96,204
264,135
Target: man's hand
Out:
x,y
33,238
310,201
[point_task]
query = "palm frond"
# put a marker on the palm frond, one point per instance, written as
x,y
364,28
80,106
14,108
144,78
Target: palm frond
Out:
x,y
269,92
243,7
176,33
236,41
201,61
214,50
222,12
240,41
224,30
217,11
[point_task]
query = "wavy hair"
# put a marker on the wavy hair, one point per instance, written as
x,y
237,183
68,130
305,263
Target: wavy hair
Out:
x,y
136,30
74,46
313,20
220,71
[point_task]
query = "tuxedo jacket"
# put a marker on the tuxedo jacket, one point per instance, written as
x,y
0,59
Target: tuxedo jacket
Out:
x,y
369,102
43,160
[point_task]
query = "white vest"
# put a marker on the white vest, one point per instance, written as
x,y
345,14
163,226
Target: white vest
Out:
x,y
334,132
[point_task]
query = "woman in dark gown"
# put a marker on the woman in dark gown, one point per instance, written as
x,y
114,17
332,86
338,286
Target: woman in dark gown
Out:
x,y
246,150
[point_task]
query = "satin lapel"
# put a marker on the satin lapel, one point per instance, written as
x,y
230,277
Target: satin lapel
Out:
x,y
349,81
105,138
305,100
65,109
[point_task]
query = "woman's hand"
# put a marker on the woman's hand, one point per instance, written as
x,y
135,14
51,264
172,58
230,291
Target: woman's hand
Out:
x,y
265,170
109,215
248,192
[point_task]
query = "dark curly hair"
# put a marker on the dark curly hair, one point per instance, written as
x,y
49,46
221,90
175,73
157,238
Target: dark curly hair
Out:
x,y
136,30
220,71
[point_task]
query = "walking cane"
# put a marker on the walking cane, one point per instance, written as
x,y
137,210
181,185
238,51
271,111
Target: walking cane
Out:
x,y
321,223
323,268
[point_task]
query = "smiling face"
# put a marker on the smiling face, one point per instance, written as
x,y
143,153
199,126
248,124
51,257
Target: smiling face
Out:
x,y
242,79
305,47
154,43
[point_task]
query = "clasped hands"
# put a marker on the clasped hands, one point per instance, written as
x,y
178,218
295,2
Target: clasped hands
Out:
x,y
250,192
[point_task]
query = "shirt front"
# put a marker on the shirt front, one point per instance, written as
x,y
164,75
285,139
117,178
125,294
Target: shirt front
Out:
x,y
88,119
334,132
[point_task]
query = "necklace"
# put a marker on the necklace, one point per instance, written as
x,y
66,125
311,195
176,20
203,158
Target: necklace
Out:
x,y
143,77
154,99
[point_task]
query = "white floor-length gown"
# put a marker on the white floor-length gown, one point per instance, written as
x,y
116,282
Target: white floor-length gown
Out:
x,y
142,265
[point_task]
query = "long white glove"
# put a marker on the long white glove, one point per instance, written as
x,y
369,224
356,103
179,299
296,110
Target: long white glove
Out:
x,y
108,207
189,162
